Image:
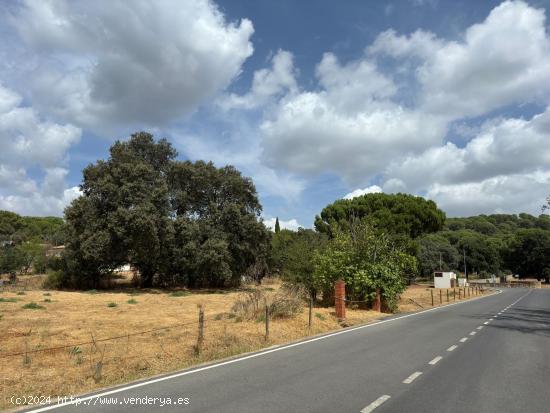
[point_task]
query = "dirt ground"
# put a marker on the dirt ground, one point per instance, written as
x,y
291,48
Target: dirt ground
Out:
x,y
67,343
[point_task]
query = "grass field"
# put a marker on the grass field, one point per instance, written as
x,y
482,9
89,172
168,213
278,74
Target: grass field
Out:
x,y
66,343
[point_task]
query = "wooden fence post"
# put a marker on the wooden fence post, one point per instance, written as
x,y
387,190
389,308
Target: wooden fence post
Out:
x,y
459,293
266,322
200,337
440,297
432,293
310,313
454,294
447,295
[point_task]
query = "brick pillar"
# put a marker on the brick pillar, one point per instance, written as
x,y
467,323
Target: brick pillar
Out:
x,y
377,303
340,296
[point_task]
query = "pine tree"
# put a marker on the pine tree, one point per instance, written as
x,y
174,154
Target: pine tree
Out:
x,y
277,226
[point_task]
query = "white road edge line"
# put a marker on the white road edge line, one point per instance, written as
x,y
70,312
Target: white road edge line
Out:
x,y
486,322
435,360
250,356
479,327
463,339
411,378
473,333
375,404
453,347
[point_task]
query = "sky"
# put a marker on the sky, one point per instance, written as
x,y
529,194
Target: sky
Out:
x,y
314,100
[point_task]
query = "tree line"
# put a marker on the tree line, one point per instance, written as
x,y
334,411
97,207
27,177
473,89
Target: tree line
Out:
x,y
197,225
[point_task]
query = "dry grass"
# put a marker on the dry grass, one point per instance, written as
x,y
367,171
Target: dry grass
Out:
x,y
81,320
84,319
418,297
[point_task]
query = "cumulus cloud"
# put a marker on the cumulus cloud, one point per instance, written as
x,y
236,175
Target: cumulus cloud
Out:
x,y
140,62
349,127
291,224
28,142
266,84
373,189
503,60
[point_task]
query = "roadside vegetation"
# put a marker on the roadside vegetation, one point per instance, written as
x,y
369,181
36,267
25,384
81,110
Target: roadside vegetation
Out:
x,y
154,241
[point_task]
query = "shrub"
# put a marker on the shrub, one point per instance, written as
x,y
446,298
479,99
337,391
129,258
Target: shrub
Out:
x,y
8,300
47,300
55,279
21,293
32,306
112,305
132,301
180,293
287,302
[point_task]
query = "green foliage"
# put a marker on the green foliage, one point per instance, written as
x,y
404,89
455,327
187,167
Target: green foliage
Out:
x,y
366,260
8,300
112,305
11,259
436,250
277,226
395,214
55,279
180,294
176,222
49,230
529,254
33,306
293,255
132,301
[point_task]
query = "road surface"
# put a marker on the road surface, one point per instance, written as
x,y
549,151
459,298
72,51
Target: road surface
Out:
x,y
486,355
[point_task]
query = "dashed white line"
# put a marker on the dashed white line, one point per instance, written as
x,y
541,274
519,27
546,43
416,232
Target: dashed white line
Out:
x,y
486,322
411,378
480,327
473,333
375,404
463,339
452,347
435,360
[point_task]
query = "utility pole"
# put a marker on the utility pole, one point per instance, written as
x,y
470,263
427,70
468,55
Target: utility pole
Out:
x,y
465,271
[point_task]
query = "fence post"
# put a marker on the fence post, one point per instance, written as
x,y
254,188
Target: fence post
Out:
x,y
340,299
310,313
440,297
454,294
432,293
266,322
200,337
459,293
447,295
377,301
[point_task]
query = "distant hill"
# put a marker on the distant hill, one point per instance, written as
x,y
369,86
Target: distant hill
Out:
x,y
17,228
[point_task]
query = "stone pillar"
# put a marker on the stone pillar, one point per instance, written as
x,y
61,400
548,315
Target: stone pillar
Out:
x,y
339,297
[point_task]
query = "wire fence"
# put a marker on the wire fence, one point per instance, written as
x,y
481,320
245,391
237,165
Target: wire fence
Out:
x,y
34,364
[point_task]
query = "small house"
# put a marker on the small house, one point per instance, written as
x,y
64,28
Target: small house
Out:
x,y
444,279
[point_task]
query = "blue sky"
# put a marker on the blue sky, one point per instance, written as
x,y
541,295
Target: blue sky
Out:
x,y
314,100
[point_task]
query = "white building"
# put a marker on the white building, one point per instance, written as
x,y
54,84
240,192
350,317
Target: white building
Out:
x,y
444,279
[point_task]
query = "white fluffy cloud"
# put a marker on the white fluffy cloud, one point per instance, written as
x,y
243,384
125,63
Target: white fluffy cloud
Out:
x,y
291,224
266,84
26,142
503,60
349,127
139,62
373,189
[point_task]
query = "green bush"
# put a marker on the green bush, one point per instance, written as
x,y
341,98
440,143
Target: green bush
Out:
x,y
132,301
180,293
32,306
112,305
8,300
55,279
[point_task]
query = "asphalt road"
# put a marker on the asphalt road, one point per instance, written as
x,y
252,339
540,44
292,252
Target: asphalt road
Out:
x,y
487,355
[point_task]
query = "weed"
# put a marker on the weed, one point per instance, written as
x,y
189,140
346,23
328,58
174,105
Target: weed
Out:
x,y
8,300
46,294
47,300
33,306
21,293
111,304
320,316
180,293
132,301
